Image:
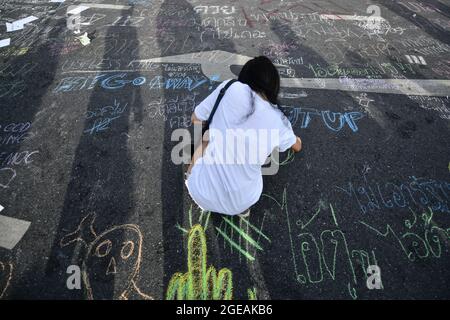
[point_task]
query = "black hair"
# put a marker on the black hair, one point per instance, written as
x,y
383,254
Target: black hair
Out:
x,y
261,76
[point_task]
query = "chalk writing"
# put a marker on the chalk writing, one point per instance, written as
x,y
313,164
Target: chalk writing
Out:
x,y
324,256
421,192
57,48
104,116
442,68
437,104
230,33
14,133
165,107
381,69
121,80
15,71
421,239
215,9
12,89
335,121
16,158
426,46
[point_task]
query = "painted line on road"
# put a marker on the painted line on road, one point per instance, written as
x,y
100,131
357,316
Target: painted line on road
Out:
x,y
217,62
5,42
416,87
77,10
84,6
351,17
11,230
19,24
106,6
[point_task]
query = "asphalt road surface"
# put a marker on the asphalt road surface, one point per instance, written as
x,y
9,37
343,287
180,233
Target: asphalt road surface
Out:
x,y
93,207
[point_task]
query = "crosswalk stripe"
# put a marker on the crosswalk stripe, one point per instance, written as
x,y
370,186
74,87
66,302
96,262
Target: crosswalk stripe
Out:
x,y
422,60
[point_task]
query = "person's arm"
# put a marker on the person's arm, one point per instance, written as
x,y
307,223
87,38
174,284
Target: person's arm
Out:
x,y
297,146
203,110
195,120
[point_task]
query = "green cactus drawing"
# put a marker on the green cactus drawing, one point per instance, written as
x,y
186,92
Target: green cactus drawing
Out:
x,y
200,282
252,294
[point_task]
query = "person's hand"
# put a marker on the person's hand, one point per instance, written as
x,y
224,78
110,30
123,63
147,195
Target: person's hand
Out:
x,y
297,146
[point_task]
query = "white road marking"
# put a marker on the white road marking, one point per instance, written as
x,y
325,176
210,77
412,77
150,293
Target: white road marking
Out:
x,y
351,17
11,230
78,9
416,59
422,60
217,62
19,24
106,6
5,42
417,87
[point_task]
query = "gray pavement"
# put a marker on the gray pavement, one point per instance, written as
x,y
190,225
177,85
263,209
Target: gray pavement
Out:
x,y
91,91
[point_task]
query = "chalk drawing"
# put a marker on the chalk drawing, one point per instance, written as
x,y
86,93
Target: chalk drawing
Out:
x,y
203,214
200,282
114,254
363,100
7,175
252,294
6,271
84,39
243,234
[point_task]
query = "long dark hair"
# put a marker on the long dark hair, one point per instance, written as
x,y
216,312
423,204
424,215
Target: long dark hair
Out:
x,y
261,76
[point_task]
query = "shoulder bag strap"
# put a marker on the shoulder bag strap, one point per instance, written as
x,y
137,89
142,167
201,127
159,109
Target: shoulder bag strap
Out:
x,y
219,98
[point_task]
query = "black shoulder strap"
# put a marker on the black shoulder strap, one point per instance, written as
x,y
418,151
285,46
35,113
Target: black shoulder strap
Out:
x,y
219,98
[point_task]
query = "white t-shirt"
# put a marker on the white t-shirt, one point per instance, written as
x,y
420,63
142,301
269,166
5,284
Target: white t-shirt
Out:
x,y
227,178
